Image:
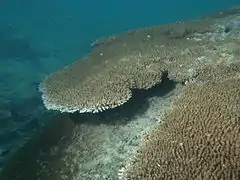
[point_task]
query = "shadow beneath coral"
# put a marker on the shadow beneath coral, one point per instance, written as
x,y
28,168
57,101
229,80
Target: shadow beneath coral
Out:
x,y
137,105
58,132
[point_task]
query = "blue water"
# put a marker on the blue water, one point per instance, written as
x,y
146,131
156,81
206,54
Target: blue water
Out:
x,y
45,35
69,26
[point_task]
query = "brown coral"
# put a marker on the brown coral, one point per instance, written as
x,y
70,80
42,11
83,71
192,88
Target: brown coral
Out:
x,y
199,137
133,60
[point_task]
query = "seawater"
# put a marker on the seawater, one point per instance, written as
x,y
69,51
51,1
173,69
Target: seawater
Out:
x,y
38,37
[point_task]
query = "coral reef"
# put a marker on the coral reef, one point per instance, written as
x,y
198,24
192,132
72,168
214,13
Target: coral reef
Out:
x,y
90,146
199,137
137,59
176,87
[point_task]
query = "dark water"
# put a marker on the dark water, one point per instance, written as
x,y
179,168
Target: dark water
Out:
x,y
37,37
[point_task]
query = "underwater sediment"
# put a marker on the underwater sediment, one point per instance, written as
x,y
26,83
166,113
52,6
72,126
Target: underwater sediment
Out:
x,y
116,130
